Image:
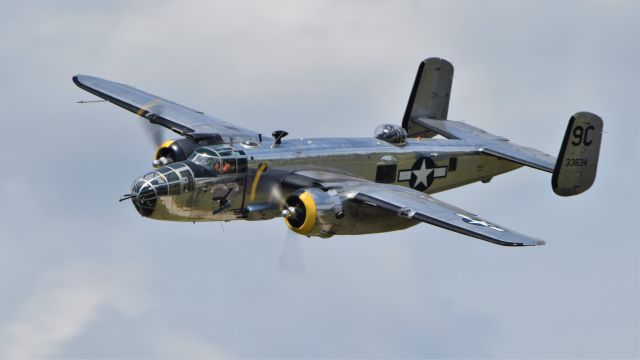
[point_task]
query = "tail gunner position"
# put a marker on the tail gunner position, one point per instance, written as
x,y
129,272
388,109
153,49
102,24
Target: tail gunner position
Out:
x,y
322,187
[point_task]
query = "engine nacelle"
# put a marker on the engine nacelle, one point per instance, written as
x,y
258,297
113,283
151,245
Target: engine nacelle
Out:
x,y
179,150
313,212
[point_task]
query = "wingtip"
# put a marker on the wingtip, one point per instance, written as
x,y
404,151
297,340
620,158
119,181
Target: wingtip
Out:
x,y
76,80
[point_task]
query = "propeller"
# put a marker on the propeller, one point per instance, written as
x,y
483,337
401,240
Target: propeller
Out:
x,y
154,132
276,196
291,257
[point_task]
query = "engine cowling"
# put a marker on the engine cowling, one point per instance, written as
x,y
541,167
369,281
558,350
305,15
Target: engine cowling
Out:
x,y
179,150
313,212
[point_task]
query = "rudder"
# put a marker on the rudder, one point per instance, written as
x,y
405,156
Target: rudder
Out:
x,y
429,96
577,162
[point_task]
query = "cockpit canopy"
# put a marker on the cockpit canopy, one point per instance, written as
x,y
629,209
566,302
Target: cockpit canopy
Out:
x,y
221,159
393,134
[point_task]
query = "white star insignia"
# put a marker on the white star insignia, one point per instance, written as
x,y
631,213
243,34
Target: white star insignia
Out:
x,y
422,174
472,221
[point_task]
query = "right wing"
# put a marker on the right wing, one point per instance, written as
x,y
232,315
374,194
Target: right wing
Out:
x,y
178,118
409,203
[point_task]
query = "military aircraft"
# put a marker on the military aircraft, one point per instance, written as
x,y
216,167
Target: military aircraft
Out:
x,y
217,171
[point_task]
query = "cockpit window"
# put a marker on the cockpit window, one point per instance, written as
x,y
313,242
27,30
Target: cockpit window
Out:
x,y
210,163
203,159
220,159
205,151
228,165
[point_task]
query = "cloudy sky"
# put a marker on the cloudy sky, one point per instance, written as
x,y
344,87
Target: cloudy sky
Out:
x,y
83,276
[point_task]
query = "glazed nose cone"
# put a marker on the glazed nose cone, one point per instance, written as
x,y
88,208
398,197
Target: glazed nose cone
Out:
x,y
144,196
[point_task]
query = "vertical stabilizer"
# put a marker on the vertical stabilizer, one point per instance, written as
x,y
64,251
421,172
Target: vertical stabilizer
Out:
x,y
577,162
429,96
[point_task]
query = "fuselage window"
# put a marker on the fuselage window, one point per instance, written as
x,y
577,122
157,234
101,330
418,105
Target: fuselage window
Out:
x,y
174,183
188,183
172,176
453,163
386,174
159,182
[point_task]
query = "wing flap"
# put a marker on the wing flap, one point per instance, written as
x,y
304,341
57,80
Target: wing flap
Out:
x,y
178,118
411,204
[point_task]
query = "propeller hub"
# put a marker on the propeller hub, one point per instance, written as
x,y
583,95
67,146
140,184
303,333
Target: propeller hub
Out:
x,y
289,212
162,161
294,211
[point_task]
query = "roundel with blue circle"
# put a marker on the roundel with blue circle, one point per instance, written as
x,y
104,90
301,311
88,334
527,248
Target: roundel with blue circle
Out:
x,y
422,173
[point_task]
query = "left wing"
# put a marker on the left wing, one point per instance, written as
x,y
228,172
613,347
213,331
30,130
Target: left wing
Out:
x,y
178,118
415,205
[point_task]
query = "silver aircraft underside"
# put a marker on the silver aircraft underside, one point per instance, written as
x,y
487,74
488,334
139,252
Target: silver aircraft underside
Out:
x,y
341,186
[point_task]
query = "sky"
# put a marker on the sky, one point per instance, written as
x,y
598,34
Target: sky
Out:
x,y
83,276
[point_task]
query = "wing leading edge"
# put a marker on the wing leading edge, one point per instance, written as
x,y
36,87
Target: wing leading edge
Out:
x,y
414,205
178,118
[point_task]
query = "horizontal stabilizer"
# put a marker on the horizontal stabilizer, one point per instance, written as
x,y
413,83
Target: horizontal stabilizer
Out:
x,y
490,144
575,170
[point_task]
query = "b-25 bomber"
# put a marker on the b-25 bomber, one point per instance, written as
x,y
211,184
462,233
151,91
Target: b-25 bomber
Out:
x,y
217,171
